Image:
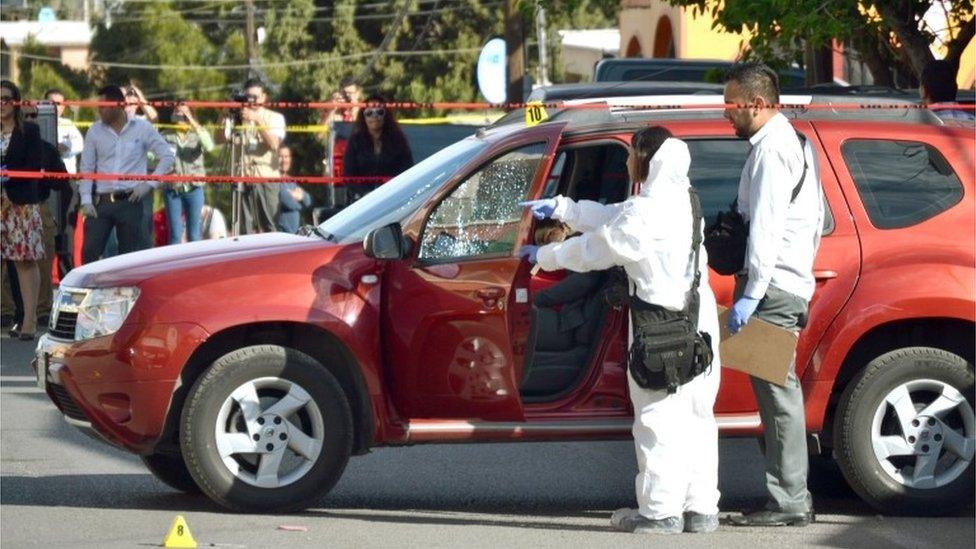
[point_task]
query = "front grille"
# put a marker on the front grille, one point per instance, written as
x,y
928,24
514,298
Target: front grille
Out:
x,y
66,403
65,328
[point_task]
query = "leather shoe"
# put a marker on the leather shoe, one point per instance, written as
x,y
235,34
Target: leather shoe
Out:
x,y
773,518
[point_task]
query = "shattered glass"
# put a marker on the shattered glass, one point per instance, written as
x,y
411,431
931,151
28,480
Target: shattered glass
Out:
x,y
482,215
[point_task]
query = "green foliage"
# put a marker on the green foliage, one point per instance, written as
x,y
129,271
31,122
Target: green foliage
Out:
x,y
154,33
889,38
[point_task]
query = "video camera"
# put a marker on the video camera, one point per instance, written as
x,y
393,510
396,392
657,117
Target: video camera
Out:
x,y
245,100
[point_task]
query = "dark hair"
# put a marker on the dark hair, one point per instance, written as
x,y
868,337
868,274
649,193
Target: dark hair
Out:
x,y
112,92
756,79
348,81
51,91
390,134
15,96
644,143
255,83
939,80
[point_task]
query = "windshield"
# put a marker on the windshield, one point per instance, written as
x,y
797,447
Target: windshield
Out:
x,y
398,198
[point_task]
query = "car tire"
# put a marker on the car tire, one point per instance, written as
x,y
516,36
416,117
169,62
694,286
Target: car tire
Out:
x,y
266,429
171,470
904,432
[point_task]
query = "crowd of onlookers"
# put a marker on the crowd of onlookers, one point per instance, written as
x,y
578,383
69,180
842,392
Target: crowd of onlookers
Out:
x,y
51,225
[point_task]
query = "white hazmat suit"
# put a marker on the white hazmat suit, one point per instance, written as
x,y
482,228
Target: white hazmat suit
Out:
x,y
650,237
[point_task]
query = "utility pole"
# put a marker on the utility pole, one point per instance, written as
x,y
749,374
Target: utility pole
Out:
x,y
543,44
514,45
252,47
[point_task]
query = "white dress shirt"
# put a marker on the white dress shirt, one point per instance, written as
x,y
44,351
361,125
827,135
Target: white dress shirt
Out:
x,y
783,237
649,235
70,137
125,152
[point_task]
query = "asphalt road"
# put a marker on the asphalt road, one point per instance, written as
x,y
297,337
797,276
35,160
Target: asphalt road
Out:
x,y
60,489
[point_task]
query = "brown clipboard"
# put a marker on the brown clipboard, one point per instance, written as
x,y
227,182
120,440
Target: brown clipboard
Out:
x,y
760,349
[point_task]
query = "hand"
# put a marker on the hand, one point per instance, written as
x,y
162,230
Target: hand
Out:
x,y
88,210
741,313
62,148
541,209
297,193
249,115
141,190
529,251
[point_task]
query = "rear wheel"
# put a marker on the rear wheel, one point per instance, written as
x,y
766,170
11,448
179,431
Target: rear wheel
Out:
x,y
266,429
171,471
906,432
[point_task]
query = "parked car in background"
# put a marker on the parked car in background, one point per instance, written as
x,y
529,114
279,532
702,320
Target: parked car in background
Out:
x,y
678,70
252,368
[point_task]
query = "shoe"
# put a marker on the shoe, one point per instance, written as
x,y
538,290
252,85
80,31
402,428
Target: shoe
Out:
x,y
14,330
697,523
630,520
773,518
24,336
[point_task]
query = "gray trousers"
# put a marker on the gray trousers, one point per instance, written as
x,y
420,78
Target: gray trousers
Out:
x,y
782,412
127,218
260,208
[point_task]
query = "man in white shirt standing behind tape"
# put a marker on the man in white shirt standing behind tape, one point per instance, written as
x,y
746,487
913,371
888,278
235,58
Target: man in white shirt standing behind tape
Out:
x,y
780,200
117,143
70,141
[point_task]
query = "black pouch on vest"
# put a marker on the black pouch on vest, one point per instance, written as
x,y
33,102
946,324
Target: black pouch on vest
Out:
x,y
726,239
668,350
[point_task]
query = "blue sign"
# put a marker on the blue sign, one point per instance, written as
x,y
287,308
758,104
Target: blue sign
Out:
x,y
492,64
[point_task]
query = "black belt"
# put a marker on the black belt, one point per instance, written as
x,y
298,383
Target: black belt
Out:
x,y
117,196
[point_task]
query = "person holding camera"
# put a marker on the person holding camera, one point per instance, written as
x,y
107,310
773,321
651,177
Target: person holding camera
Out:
x,y
781,209
258,132
135,102
673,367
186,199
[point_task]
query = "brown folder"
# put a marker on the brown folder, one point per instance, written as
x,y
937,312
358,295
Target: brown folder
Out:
x,y
760,349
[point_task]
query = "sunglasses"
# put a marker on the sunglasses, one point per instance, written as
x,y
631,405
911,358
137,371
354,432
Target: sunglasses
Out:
x,y
375,112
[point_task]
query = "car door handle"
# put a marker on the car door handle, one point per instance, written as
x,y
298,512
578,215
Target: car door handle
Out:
x,y
492,292
824,275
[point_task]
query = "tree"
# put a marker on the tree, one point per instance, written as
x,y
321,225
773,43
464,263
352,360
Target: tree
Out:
x,y
149,34
886,34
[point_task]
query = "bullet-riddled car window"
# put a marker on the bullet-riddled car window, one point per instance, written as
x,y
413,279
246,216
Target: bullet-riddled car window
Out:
x,y
482,215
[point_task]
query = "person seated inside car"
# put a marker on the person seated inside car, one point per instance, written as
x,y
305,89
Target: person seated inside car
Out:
x,y
566,321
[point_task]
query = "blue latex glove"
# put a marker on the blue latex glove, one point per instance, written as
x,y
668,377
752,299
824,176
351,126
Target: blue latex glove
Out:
x,y
541,209
529,251
741,313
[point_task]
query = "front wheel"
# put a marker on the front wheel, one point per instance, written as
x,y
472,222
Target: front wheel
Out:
x,y
906,432
266,429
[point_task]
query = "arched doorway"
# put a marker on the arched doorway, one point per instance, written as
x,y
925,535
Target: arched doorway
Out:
x,y
633,48
664,38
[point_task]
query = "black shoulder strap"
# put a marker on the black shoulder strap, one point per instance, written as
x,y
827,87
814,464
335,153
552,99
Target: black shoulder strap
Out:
x,y
691,298
803,153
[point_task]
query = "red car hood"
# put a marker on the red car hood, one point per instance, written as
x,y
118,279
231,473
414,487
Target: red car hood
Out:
x,y
133,268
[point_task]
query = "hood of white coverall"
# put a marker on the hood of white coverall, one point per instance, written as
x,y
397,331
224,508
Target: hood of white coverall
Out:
x,y
668,168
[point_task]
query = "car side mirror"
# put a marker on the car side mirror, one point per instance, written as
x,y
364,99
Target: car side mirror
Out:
x,y
387,242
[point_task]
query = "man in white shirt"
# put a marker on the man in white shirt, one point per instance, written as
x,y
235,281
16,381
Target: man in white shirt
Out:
x,y
780,200
70,141
117,143
257,140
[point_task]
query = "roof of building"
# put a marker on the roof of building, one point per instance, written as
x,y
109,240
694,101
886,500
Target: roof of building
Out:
x,y
53,33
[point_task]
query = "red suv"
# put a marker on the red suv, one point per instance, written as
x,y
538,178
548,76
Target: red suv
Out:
x,y
251,368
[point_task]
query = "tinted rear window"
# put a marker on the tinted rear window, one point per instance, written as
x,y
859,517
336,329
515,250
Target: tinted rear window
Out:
x,y
902,183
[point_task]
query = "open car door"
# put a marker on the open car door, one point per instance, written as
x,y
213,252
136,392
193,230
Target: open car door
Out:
x,y
454,323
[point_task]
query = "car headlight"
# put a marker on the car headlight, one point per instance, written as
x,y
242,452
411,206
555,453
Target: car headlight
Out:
x,y
103,311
